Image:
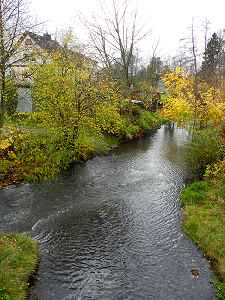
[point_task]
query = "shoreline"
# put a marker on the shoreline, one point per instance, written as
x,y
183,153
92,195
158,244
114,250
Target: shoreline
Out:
x,y
203,222
19,261
119,141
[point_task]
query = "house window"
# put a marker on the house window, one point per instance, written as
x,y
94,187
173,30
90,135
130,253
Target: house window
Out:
x,y
28,42
29,56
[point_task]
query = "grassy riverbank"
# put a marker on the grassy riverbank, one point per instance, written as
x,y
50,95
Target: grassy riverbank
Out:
x,y
204,223
31,151
18,260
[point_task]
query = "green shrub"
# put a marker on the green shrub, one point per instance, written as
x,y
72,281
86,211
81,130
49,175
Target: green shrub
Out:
x,y
194,193
131,131
42,155
18,260
147,120
216,171
108,119
22,115
4,168
130,110
164,98
10,96
31,119
220,290
89,142
203,149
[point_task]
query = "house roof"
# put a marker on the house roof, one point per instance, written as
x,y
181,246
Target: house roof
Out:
x,y
43,41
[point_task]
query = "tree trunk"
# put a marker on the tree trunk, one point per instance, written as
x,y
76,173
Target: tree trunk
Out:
x,y
2,67
2,90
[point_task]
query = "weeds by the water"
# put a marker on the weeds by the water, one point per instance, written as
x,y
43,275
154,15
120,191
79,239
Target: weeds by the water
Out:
x,y
204,223
18,260
40,153
220,289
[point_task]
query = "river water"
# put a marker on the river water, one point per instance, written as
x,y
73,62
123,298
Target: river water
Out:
x,y
110,229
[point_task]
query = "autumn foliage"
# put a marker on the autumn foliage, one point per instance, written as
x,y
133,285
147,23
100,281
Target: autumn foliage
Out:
x,y
192,102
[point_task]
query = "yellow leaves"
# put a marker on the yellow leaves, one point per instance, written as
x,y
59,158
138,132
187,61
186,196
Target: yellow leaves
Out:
x,y
108,118
12,155
189,99
84,75
179,86
5,144
178,83
216,170
177,110
216,113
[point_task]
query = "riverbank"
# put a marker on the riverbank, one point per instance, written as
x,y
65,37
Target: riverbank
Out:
x,y
18,253
204,223
18,261
32,152
89,223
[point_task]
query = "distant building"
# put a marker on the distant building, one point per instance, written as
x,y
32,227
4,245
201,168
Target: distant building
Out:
x,y
32,49
37,49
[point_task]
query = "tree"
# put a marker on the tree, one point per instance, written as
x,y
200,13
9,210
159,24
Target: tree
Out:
x,y
10,95
185,107
116,38
13,23
212,58
64,92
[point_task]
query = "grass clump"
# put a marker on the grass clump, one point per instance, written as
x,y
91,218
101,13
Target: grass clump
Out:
x,y
18,260
204,223
195,193
203,149
147,120
220,290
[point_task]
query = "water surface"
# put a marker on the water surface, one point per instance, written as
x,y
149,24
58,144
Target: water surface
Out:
x,y
111,228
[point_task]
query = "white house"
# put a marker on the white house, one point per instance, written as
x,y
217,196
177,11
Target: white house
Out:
x,y
32,49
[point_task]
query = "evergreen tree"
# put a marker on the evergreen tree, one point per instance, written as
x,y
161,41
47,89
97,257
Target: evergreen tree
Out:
x,y
212,64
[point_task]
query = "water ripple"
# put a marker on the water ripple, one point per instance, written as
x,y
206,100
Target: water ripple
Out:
x,y
111,230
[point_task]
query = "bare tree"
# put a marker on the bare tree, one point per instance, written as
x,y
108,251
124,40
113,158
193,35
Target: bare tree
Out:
x,y
115,39
206,27
190,51
13,22
194,48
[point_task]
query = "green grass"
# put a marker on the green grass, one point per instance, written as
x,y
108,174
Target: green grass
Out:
x,y
204,223
194,193
147,120
18,260
39,152
220,289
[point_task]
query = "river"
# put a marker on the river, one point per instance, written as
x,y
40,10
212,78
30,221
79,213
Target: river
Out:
x,y
110,228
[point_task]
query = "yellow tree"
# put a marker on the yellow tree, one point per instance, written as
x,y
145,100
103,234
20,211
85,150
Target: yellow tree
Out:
x,y
192,103
64,92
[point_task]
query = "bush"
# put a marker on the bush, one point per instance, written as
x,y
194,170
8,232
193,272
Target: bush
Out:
x,y
195,193
89,141
220,290
109,119
216,171
147,120
10,96
203,149
18,261
42,155
130,130
4,168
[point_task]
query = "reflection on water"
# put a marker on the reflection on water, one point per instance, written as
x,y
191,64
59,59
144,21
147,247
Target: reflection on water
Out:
x,y
110,229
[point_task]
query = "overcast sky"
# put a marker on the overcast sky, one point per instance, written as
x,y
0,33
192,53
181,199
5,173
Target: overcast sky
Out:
x,y
168,19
